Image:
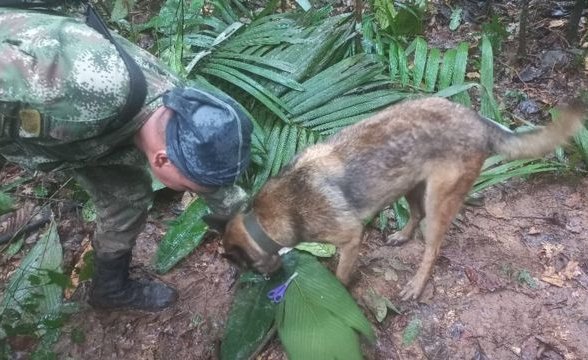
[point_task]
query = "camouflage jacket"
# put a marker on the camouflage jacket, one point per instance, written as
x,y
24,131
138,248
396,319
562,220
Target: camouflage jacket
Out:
x,y
62,85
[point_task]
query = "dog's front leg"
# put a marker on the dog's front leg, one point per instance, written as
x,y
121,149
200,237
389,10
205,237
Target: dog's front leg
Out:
x,y
348,254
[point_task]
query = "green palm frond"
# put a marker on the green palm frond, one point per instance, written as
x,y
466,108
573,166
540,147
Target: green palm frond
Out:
x,y
336,97
495,172
293,79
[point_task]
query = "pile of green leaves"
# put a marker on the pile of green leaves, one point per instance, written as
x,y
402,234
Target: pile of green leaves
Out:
x,y
32,303
317,319
182,237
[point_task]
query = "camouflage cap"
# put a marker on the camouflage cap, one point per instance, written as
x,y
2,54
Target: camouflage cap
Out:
x,y
209,136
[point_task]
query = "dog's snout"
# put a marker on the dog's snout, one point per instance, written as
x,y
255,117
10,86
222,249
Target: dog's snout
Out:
x,y
269,265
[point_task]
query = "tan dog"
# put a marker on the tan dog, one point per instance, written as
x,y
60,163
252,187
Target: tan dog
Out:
x,y
430,150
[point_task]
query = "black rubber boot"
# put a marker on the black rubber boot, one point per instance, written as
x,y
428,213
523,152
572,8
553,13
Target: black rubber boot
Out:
x,y
112,288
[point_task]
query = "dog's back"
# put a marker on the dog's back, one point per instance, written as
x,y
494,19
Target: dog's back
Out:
x,y
390,153
387,155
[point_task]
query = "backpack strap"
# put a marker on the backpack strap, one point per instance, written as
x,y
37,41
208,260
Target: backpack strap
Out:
x,y
27,4
137,84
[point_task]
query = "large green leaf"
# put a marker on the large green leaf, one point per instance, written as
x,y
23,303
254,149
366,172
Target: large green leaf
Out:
x,y
121,9
487,78
318,319
272,145
248,84
270,63
33,297
252,315
183,236
257,70
581,139
31,277
6,203
320,286
334,97
456,15
327,86
402,213
403,66
455,89
494,172
318,249
420,60
309,332
447,66
348,105
393,61
459,72
432,70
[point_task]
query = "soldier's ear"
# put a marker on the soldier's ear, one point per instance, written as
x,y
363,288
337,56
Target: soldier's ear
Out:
x,y
160,159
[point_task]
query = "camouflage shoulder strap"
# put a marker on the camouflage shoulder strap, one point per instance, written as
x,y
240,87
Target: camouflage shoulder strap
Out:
x,y
137,86
26,4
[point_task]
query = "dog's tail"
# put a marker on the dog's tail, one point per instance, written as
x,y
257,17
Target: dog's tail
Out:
x,y
539,142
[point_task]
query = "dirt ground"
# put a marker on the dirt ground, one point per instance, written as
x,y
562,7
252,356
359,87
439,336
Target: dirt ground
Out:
x,y
477,306
511,281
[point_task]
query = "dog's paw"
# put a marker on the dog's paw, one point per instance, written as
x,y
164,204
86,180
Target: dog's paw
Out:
x,y
396,239
412,290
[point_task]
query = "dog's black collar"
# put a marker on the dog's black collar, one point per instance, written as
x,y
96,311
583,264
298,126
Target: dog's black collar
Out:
x,y
259,235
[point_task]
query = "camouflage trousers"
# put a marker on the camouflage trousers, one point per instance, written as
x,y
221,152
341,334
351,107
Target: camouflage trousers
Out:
x,y
122,195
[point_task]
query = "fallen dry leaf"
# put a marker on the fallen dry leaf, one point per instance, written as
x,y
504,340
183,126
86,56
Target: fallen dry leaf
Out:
x,y
556,23
75,276
553,280
378,304
549,251
473,75
390,275
533,231
558,278
187,198
572,270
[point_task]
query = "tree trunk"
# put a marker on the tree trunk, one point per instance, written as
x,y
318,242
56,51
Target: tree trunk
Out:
x,y
522,50
572,32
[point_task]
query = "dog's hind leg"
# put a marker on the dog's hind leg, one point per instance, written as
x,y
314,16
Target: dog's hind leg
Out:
x,y
415,199
445,191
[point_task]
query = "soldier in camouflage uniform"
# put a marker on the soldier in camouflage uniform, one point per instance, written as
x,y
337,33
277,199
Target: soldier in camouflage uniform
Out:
x,y
62,87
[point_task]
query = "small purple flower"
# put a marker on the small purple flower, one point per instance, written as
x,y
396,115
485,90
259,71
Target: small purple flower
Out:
x,y
277,294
